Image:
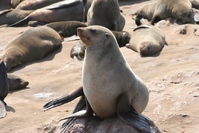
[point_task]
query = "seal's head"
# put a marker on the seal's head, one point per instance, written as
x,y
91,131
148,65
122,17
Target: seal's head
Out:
x,y
186,16
125,38
96,35
16,83
184,13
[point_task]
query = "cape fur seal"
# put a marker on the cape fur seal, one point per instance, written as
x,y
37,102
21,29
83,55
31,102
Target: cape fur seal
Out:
x,y
4,89
161,9
78,50
106,13
106,94
66,28
147,40
32,45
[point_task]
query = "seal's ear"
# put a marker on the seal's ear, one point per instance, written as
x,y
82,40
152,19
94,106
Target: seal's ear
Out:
x,y
107,35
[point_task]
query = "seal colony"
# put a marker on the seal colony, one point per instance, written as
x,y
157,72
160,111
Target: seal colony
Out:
x,y
106,94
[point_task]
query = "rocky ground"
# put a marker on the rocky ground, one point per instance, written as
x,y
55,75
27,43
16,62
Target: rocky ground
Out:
x,y
172,78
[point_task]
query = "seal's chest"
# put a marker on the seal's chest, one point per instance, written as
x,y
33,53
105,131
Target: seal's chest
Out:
x,y
102,100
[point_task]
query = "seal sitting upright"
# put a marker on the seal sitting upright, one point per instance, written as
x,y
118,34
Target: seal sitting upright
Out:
x,y
109,85
106,13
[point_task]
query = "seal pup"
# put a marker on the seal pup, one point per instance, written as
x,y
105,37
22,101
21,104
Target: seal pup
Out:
x,y
161,9
66,28
4,89
32,45
106,13
147,40
16,83
78,50
106,95
122,37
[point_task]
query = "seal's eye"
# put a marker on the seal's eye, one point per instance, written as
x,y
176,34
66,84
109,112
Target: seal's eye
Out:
x,y
92,30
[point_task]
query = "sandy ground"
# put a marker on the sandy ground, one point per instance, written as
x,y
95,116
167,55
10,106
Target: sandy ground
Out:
x,y
171,77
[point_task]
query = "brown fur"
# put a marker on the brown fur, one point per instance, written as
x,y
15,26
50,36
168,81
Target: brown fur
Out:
x,y
32,45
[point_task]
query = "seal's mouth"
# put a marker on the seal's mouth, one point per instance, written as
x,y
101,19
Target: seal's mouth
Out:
x,y
83,36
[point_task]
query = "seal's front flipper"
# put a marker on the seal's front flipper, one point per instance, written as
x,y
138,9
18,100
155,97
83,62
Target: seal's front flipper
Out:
x,y
63,99
2,109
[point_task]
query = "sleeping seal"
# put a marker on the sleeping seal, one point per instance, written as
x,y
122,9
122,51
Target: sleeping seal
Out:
x,y
147,40
32,45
